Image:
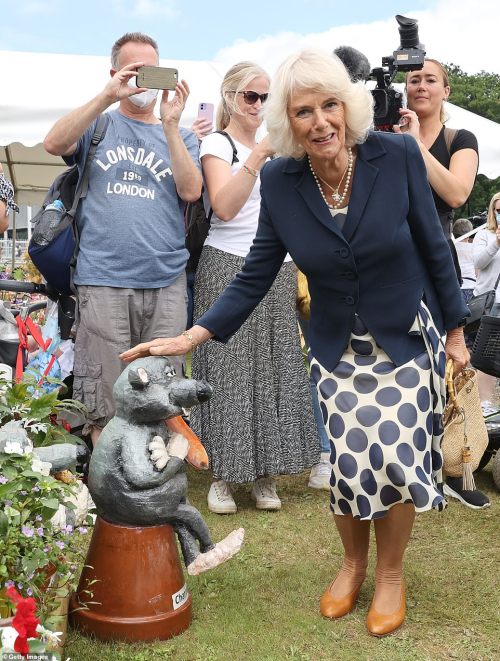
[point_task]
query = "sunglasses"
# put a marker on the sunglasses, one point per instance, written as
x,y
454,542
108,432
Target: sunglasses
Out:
x,y
252,97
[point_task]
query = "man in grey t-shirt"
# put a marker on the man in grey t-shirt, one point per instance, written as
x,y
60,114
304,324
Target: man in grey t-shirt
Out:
x,y
130,273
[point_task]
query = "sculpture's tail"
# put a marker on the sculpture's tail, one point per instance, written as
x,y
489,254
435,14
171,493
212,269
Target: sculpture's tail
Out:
x,y
221,552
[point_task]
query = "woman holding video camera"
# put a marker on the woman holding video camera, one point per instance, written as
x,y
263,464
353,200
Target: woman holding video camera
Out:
x,y
451,170
451,158
353,208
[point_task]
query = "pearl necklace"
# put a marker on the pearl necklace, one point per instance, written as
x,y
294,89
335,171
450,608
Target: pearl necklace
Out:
x,y
336,197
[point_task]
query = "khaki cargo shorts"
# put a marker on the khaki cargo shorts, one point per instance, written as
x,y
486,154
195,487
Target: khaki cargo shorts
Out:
x,y
112,320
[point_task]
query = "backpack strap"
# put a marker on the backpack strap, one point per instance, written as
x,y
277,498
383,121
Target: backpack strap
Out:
x,y
83,186
231,142
449,136
235,160
83,182
447,219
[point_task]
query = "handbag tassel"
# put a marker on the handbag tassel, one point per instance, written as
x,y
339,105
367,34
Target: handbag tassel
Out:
x,y
468,483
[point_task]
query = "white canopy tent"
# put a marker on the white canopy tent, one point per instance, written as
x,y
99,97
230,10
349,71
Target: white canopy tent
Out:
x,y
46,86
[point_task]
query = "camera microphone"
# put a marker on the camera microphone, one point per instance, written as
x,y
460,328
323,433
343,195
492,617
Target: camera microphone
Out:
x,y
357,64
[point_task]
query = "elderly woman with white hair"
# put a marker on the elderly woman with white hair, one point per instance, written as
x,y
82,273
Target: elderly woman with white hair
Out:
x,y
354,209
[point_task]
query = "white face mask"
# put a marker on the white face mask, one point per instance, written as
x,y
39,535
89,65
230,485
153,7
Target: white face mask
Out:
x,y
144,98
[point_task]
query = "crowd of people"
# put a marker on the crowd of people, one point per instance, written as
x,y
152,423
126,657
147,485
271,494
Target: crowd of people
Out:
x,y
451,159
363,218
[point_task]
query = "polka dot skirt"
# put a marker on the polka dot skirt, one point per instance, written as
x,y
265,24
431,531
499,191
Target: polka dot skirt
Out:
x,y
384,424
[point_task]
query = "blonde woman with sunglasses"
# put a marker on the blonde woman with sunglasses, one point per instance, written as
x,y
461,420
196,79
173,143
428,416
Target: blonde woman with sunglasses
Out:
x,y
259,422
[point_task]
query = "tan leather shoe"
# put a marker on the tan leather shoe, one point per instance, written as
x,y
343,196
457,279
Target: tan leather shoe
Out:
x,y
335,608
382,624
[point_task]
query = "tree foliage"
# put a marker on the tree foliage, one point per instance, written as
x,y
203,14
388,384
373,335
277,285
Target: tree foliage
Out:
x,y
479,93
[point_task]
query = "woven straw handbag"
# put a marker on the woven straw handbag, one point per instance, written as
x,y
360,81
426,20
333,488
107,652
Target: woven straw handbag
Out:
x,y
465,435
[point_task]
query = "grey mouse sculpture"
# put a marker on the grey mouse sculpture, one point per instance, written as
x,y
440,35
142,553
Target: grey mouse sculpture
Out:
x,y
137,471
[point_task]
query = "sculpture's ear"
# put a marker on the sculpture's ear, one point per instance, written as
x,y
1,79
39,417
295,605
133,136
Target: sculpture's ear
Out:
x,y
138,378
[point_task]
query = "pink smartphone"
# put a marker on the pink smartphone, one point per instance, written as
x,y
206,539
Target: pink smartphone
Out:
x,y
206,111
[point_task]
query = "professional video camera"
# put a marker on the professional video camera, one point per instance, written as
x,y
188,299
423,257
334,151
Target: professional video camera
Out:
x,y
408,57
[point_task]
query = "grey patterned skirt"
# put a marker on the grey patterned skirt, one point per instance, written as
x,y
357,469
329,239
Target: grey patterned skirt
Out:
x,y
259,421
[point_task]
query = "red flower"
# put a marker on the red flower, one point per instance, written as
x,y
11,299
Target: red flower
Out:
x,y
66,425
62,422
24,621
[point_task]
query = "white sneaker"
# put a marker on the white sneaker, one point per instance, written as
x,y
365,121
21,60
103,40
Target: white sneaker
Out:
x,y
319,477
264,494
220,499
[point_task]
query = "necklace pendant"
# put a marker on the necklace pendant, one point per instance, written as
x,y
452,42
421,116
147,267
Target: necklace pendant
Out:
x,y
336,197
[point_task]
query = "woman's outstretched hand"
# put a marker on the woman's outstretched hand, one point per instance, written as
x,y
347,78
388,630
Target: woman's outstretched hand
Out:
x,y
168,346
162,346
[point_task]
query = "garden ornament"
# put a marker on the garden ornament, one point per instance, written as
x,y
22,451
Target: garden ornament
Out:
x,y
137,470
54,459
60,456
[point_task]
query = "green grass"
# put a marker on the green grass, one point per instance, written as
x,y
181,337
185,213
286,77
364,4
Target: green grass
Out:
x,y
263,604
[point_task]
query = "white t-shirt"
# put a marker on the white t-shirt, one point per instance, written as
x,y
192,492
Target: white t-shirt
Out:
x,y
234,236
466,261
487,260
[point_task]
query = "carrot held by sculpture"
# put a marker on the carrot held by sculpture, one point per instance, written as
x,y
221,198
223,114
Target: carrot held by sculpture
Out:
x,y
197,455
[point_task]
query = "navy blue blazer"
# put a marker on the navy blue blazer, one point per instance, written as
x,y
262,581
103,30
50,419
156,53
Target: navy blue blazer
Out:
x,y
390,254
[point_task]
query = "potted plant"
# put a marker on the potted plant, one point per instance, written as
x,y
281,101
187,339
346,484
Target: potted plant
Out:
x,y
37,557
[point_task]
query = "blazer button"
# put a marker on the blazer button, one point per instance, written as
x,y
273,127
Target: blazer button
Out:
x,y
344,252
349,300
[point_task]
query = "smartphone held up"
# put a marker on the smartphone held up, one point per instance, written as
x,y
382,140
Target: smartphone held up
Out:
x,y
206,111
158,78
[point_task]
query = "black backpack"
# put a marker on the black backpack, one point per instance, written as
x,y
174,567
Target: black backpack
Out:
x,y
53,247
198,222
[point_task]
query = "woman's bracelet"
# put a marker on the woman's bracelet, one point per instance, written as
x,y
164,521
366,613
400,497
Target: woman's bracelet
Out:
x,y
190,338
252,171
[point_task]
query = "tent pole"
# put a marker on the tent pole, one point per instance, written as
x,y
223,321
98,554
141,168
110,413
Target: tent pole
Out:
x,y
13,265
29,215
